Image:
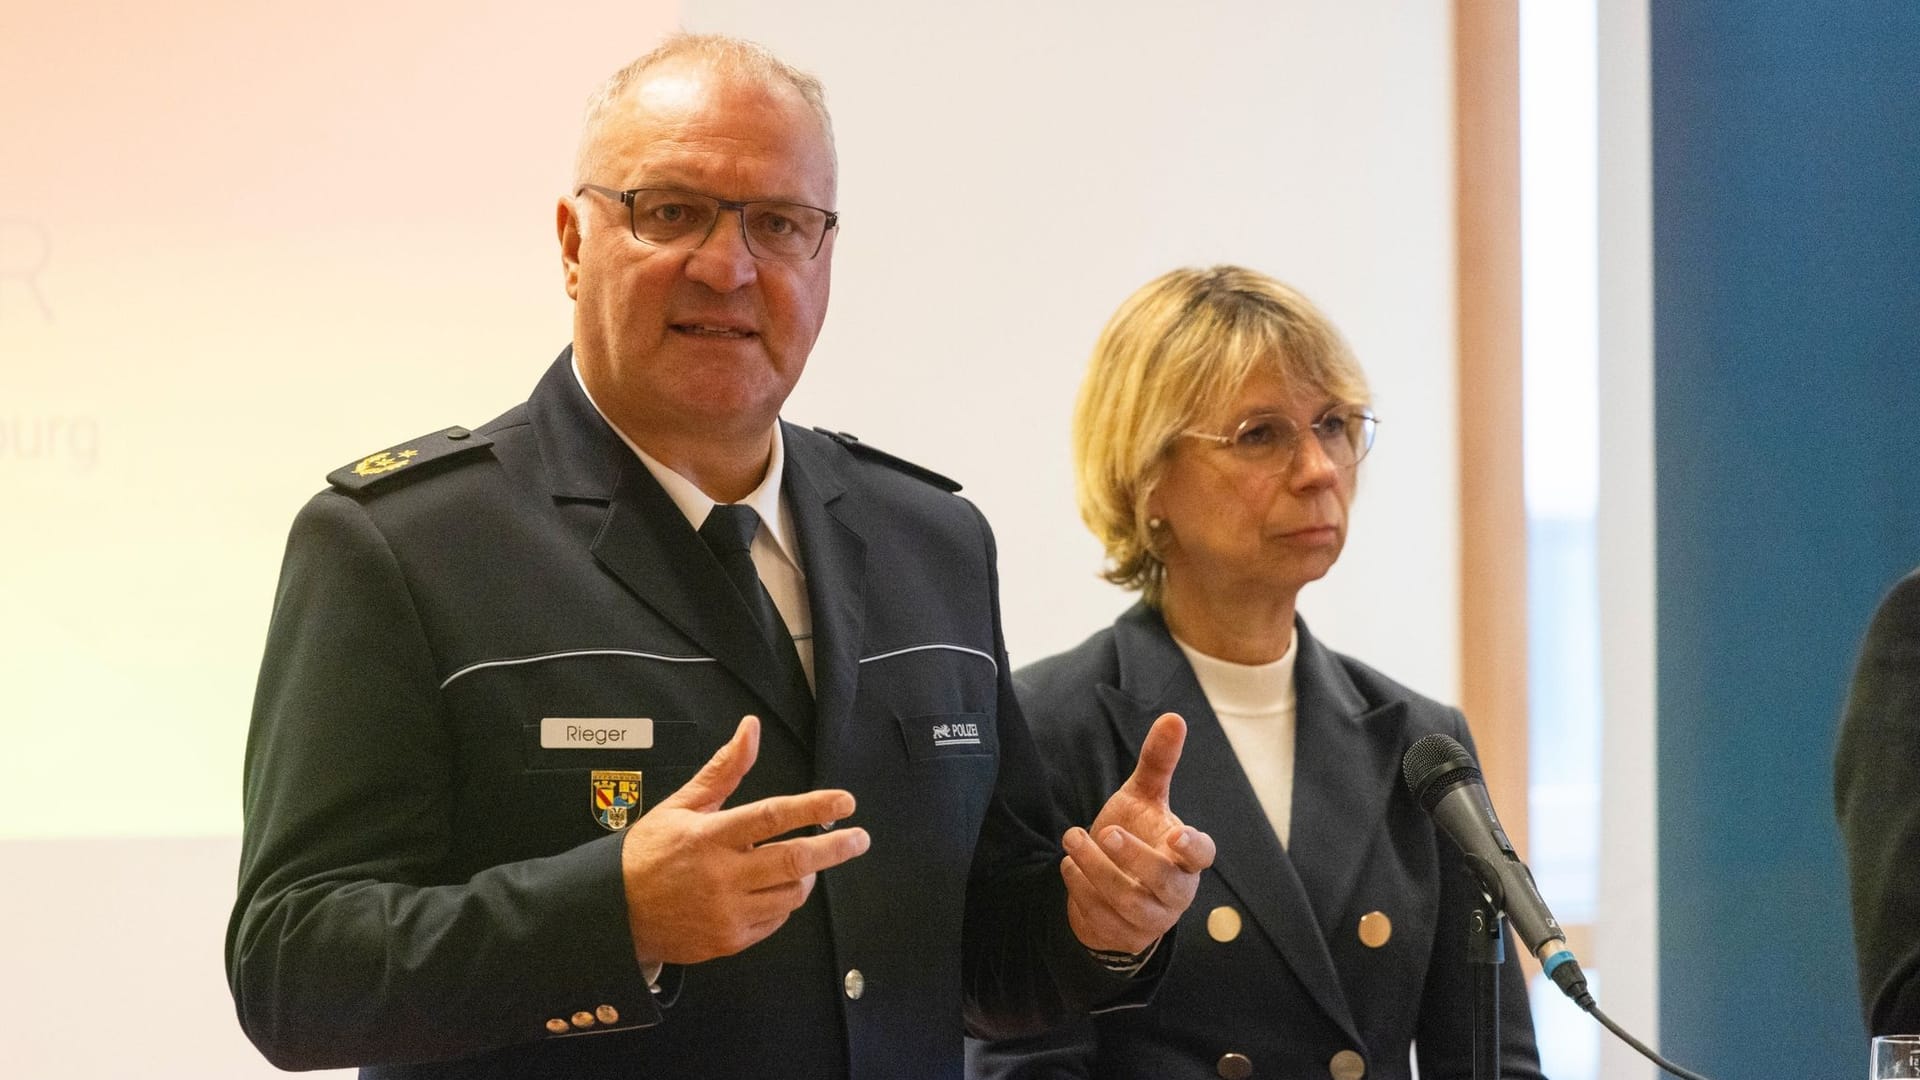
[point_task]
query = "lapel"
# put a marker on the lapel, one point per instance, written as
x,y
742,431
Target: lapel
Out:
x,y
648,544
1211,792
1345,771
834,554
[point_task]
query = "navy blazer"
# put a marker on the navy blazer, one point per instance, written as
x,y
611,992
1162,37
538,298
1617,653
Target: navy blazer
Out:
x,y
1276,977
429,891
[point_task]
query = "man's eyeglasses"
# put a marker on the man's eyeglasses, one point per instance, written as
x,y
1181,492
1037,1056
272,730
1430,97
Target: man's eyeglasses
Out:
x,y
664,217
1267,440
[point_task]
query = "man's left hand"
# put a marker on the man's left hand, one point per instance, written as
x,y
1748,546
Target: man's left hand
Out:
x,y
1131,875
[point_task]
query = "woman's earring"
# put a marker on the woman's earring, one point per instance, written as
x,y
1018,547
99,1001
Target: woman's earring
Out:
x,y
1156,524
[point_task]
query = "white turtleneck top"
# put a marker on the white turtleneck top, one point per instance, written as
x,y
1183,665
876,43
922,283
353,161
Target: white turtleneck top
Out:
x,y
1255,704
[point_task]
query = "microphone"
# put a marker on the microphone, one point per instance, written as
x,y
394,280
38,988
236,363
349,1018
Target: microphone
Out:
x,y
1449,786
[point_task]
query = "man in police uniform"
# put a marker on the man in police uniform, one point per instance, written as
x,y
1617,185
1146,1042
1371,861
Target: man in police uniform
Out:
x,y
504,816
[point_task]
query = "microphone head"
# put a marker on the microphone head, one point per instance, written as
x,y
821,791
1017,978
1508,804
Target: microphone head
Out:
x,y
1435,765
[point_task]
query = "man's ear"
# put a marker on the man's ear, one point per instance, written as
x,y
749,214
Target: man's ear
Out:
x,y
569,226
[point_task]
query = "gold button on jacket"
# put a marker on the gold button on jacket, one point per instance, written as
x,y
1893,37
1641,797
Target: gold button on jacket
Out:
x,y
1234,1066
1375,929
1344,936
1223,924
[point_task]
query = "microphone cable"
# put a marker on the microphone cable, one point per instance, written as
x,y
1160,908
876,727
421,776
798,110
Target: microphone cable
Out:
x,y
1645,1051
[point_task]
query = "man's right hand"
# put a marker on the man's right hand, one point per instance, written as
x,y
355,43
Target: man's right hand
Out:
x,y
705,882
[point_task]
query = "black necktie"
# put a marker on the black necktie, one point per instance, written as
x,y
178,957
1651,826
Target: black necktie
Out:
x,y
728,532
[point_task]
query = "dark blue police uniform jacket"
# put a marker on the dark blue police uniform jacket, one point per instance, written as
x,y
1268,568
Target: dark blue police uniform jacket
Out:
x,y
427,890
1298,988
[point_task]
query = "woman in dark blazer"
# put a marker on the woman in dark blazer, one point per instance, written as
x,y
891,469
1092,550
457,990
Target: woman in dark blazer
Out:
x,y
1216,439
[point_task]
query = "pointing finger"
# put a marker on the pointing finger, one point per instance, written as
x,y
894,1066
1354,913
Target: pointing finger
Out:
x,y
1153,775
783,862
764,819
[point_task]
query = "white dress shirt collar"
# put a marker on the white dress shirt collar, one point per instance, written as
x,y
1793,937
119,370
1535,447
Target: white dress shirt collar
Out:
x,y
696,504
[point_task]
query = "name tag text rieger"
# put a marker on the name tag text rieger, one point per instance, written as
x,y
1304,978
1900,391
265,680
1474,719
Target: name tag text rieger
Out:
x,y
595,733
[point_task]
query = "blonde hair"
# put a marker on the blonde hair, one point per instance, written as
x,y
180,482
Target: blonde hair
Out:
x,y
732,55
1179,350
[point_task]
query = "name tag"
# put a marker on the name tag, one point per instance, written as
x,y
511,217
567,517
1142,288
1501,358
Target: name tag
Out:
x,y
597,733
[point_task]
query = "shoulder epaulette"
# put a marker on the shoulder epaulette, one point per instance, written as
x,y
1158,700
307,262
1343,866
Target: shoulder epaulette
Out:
x,y
918,472
376,469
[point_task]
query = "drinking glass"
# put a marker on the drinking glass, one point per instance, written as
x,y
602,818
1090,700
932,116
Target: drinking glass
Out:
x,y
1895,1057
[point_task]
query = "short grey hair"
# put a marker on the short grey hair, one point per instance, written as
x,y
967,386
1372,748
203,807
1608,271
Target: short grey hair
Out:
x,y
735,56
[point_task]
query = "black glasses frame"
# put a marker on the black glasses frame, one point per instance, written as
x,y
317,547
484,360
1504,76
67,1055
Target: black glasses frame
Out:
x,y
630,199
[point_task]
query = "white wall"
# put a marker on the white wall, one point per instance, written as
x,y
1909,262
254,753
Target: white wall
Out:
x,y
280,238
1012,170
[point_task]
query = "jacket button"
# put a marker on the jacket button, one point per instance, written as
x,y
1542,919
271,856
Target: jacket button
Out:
x,y
1375,929
1347,1065
557,1026
583,1019
856,984
1234,1066
1223,924
607,1014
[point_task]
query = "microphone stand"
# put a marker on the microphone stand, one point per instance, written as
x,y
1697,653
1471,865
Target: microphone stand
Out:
x,y
1486,951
